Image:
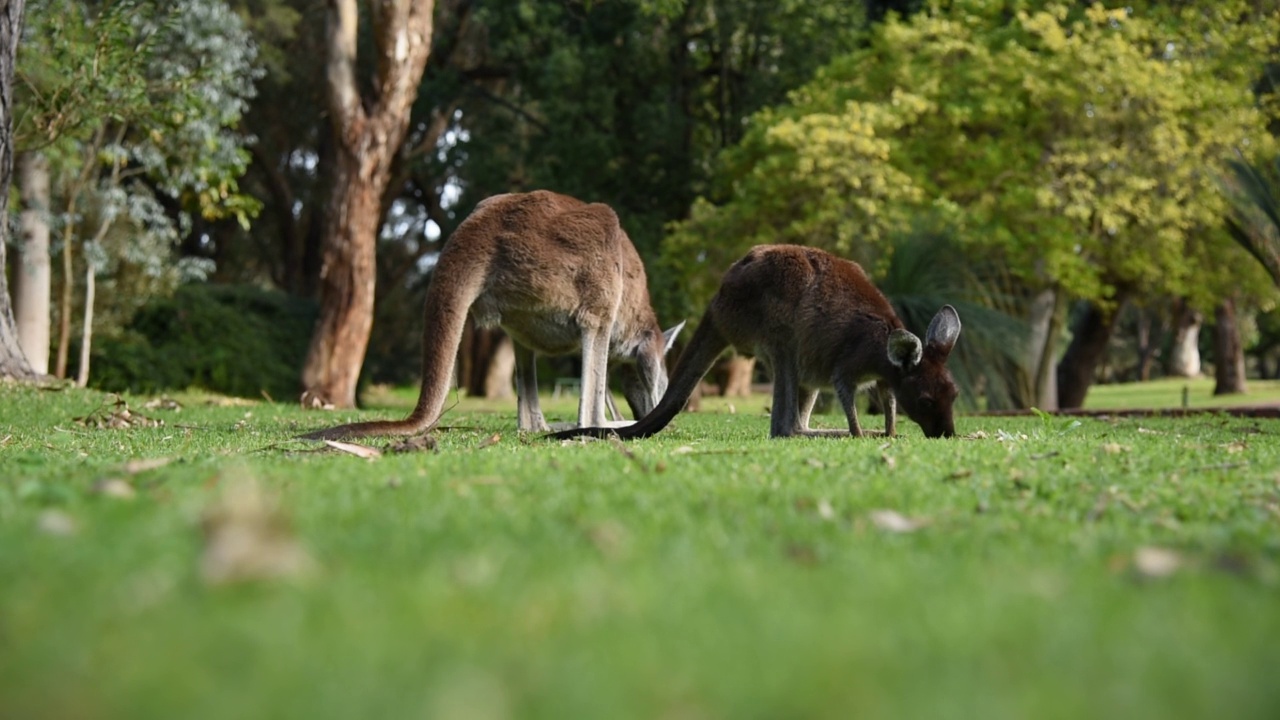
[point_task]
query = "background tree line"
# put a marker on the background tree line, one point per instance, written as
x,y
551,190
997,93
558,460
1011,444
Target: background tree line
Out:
x,y
1084,181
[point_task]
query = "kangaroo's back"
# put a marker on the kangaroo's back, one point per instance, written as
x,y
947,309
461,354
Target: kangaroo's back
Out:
x,y
542,265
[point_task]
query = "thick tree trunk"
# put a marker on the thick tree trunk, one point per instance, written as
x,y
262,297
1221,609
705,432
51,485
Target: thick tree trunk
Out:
x,y
1087,349
13,362
32,278
369,131
737,376
1184,353
1228,351
1045,321
500,373
347,278
486,363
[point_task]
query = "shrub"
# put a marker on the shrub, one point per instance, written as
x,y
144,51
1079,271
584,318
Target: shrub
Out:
x,y
231,339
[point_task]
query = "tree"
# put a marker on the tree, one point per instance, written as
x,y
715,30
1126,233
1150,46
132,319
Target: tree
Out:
x,y
134,146
13,364
1055,141
369,127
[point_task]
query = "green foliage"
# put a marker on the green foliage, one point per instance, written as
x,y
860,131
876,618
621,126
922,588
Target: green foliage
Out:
x,y
1070,144
706,572
233,340
163,82
927,270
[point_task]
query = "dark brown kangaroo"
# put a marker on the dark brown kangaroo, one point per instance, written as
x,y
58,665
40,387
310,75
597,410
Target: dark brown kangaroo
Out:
x,y
558,275
817,321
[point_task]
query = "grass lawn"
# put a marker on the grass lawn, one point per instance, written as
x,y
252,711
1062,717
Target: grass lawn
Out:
x,y
1167,393
1036,568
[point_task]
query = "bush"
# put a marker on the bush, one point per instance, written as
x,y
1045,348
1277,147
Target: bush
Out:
x,y
231,339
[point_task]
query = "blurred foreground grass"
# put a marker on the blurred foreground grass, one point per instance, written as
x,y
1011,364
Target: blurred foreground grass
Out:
x,y
1034,568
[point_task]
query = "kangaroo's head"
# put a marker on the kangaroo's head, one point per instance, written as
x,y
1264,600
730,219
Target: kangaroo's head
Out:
x,y
925,390
646,386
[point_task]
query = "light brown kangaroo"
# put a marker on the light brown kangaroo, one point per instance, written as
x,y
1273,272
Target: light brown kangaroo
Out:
x,y
817,321
558,275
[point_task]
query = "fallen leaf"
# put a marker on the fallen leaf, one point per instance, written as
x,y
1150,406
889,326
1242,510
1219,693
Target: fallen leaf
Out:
x,y
977,435
682,450
133,467
815,462
825,511
889,461
960,474
362,451
115,488
489,441
418,443
896,522
57,522
1156,562
247,537
162,403
1235,447
1115,448
116,415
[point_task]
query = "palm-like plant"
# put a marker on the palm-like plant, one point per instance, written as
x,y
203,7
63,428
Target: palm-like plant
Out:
x,y
928,270
1255,218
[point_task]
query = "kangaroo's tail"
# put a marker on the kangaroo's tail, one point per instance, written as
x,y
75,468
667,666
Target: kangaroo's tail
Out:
x,y
453,290
705,346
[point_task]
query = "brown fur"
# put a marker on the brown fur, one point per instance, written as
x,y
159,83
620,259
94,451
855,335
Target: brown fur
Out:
x,y
558,275
817,321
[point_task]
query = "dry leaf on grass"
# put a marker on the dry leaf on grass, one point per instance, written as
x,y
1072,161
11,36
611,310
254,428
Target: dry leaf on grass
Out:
x,y
896,522
116,415
247,537
1115,448
889,461
115,488
133,467
1156,562
360,451
1235,447
489,441
825,511
57,522
418,443
162,403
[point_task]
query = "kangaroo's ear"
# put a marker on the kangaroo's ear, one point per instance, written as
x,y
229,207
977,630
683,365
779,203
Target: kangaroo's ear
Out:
x,y
669,336
904,349
943,331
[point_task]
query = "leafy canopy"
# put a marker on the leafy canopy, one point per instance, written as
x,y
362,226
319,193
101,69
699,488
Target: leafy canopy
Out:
x,y
1078,146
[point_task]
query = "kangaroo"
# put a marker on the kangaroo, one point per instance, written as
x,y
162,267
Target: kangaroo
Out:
x,y
558,275
817,321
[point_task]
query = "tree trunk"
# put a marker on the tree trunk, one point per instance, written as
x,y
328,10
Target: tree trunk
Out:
x,y
32,278
500,374
1228,351
368,131
1045,321
86,334
1152,330
738,372
1087,349
1184,354
13,362
64,304
486,363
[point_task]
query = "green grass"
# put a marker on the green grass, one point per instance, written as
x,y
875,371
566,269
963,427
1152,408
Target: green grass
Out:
x,y
712,573
1167,393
